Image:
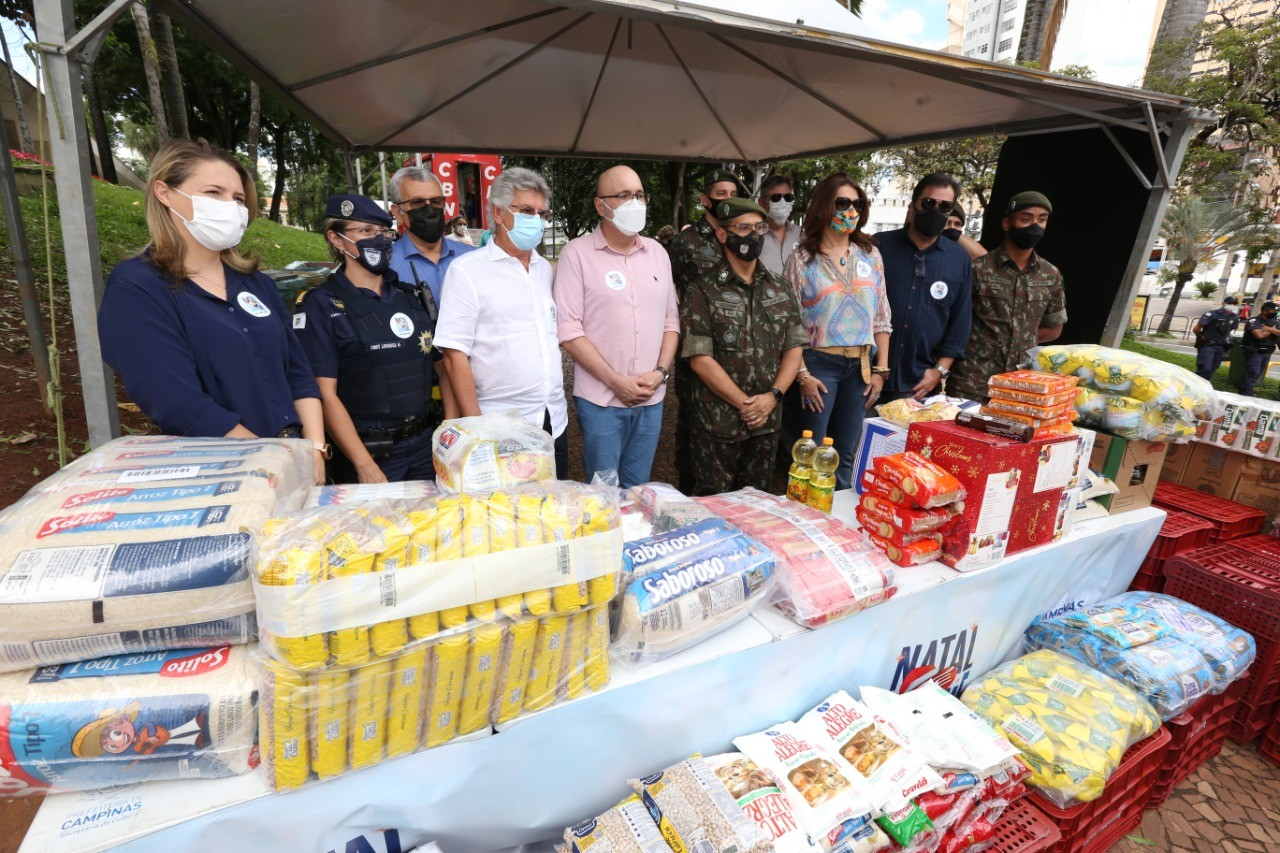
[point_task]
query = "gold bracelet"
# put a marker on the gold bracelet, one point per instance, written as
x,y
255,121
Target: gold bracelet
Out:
x,y
880,371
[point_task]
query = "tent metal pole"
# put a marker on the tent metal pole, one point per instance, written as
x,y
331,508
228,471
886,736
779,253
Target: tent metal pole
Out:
x,y
98,25
382,167
1154,133
55,22
1124,153
742,155
586,114
359,177
1175,148
347,170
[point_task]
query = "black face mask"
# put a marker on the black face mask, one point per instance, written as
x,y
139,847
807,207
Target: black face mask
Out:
x,y
1026,237
746,248
373,253
952,233
427,223
929,223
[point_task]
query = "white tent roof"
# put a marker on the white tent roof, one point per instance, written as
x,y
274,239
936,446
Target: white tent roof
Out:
x,y
644,78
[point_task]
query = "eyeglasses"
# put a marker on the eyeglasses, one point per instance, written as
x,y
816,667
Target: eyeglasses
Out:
x,y
626,196
931,203
415,203
744,229
365,231
777,197
527,210
844,203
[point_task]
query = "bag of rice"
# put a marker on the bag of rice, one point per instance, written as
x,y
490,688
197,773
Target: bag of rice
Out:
x,y
834,813
696,812
625,828
359,493
760,798
665,507
486,452
126,719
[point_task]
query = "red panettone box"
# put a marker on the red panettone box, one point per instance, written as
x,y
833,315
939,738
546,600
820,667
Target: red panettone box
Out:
x,y
1015,489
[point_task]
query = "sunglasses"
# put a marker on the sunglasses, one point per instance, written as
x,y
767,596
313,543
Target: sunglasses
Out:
x,y
843,203
776,197
931,203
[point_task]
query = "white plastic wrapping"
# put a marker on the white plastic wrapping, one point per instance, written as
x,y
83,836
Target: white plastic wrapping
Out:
x,y
486,452
361,493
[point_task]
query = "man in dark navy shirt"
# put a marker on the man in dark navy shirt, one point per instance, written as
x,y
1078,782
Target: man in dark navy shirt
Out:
x,y
929,280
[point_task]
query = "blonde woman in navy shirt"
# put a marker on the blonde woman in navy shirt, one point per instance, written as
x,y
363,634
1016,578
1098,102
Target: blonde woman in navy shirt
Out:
x,y
202,339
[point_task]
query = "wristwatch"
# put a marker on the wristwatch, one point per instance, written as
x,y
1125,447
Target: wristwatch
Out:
x,y
944,371
776,394
326,450
666,374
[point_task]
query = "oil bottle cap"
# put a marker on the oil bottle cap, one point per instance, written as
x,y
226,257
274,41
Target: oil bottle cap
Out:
x,y
807,434
828,441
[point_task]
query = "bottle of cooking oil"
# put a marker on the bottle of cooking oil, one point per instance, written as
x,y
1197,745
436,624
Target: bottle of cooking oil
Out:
x,y
822,482
801,467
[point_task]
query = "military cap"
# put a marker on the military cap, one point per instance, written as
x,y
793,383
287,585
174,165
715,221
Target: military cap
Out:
x,y
1231,300
722,175
957,210
357,207
1028,199
732,208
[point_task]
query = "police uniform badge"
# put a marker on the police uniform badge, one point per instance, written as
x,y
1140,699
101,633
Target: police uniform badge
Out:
x,y
348,207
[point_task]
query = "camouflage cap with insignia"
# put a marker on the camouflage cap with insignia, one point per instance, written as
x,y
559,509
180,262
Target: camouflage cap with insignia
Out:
x,y
731,208
1028,199
721,176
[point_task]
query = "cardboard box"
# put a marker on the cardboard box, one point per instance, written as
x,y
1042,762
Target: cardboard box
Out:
x,y
1231,429
1213,470
1134,466
879,438
1258,486
1015,489
1175,462
1264,431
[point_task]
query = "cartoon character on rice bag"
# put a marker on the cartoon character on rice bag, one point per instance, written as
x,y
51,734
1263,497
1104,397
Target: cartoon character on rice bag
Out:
x,y
116,731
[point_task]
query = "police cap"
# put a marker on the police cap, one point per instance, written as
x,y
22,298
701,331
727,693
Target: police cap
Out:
x,y
357,207
1268,306
731,208
722,175
1028,199
1231,300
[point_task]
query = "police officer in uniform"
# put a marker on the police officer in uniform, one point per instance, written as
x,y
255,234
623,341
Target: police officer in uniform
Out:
x,y
369,338
1213,336
1260,335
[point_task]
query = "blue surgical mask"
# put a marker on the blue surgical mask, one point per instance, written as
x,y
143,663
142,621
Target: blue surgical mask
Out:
x,y
526,232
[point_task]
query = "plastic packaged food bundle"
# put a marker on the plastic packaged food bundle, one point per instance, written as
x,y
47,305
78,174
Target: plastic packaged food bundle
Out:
x,y
325,723
829,806
874,484
1072,723
126,719
666,507
1035,422
1040,414
1033,381
695,812
626,828
142,545
926,484
1057,398
909,519
1228,649
359,493
908,411
825,569
914,554
342,584
711,578
486,452
759,796
1117,624
884,529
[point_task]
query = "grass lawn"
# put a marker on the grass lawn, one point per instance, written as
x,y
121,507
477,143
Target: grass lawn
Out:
x,y
1268,389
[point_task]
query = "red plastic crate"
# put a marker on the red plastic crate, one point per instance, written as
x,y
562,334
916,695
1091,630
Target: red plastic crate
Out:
x,y
1251,719
1150,576
1230,519
1195,736
1269,748
1024,829
1180,532
1094,827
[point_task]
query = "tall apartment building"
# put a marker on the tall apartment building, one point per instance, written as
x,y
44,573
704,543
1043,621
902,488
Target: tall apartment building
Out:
x,y
1243,12
992,29
955,26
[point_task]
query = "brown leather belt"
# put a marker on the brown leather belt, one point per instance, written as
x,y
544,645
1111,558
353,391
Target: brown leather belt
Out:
x,y
863,353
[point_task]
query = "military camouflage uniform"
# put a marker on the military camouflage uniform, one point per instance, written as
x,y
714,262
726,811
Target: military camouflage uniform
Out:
x,y
693,251
1009,305
746,328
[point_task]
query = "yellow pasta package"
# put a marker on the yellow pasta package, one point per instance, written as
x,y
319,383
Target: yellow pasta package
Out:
x,y
597,517
561,520
369,713
422,549
449,547
404,706
299,565
597,668
330,716
530,530
475,543
520,641
284,727
502,537
548,662
580,624
347,555
387,638
450,655
482,674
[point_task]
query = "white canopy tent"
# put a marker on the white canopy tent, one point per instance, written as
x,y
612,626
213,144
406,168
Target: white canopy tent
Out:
x,y
606,78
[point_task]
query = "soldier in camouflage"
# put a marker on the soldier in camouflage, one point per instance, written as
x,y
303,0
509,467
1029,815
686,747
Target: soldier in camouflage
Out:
x,y
1018,300
743,340
694,251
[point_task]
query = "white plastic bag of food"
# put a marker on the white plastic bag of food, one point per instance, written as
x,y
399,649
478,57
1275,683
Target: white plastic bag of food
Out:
x,y
486,452
759,796
697,810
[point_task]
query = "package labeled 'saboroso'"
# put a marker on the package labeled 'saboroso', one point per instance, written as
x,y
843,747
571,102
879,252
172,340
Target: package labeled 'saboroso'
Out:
x,y
141,545
120,720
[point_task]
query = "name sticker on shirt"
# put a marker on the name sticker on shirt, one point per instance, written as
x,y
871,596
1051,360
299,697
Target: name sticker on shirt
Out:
x,y
401,325
615,280
939,290
864,269
252,304
299,321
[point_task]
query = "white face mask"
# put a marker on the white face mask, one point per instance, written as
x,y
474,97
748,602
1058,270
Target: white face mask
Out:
x,y
780,211
217,225
1234,309
629,217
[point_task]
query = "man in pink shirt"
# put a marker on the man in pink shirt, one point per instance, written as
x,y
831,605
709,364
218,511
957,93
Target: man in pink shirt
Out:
x,y
617,318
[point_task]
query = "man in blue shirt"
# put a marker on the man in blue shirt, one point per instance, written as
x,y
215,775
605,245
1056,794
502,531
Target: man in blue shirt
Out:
x,y
422,254
929,280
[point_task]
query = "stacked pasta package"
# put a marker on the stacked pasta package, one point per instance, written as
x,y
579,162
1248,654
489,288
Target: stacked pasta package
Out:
x,y
1042,401
1071,723
1132,395
1171,652
125,580
908,504
826,570
393,626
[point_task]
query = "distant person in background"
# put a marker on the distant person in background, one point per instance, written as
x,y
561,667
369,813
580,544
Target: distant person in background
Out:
x,y
1213,336
955,231
778,199
1260,337
839,277
617,315
1018,300
200,338
458,230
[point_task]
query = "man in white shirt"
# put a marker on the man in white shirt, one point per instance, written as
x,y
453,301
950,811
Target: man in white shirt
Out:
x,y
497,326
